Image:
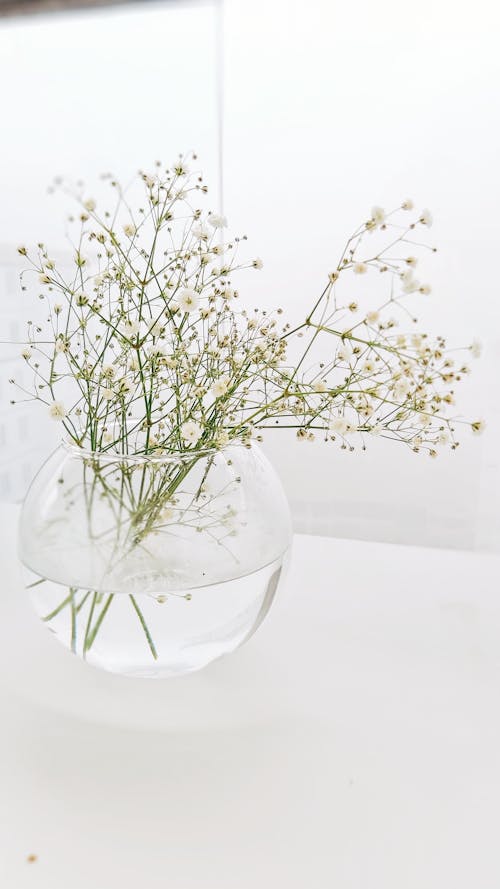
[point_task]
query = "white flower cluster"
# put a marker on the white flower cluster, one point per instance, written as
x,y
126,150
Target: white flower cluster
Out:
x,y
148,350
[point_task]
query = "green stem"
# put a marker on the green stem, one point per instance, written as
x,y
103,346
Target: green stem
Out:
x,y
89,641
144,627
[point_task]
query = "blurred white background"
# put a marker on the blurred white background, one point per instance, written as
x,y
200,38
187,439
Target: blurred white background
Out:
x,y
329,108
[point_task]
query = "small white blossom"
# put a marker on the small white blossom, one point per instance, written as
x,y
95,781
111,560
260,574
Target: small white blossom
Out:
x,y
180,168
426,218
217,221
378,216
478,427
344,353
130,230
188,300
257,263
339,425
26,353
158,327
200,232
124,386
57,411
107,393
239,359
191,432
372,317
129,328
425,289
320,386
157,351
476,349
222,439
401,389
90,205
410,284
360,268
407,205
220,387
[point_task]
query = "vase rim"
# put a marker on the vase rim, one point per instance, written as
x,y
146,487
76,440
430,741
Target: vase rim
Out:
x,y
166,457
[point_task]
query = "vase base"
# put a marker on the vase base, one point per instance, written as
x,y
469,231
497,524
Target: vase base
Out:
x,y
157,635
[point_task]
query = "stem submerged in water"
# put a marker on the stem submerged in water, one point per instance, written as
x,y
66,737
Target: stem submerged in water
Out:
x,y
144,627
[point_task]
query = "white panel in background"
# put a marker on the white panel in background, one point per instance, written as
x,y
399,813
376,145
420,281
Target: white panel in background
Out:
x,y
85,93
334,107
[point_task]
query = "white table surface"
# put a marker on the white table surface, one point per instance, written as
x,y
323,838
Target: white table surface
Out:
x,y
353,743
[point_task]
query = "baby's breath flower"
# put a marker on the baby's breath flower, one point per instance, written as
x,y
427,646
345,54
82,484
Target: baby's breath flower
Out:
x,y
401,389
475,349
407,205
478,426
410,284
154,353
129,328
123,386
320,386
378,216
222,439
339,425
201,232
426,218
217,221
188,300
344,353
60,345
360,268
191,432
57,411
180,168
220,387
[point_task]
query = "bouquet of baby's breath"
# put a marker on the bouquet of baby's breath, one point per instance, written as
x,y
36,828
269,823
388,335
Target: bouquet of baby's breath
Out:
x,y
146,353
146,350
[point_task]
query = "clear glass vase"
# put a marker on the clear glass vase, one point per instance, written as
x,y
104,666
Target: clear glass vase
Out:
x,y
154,565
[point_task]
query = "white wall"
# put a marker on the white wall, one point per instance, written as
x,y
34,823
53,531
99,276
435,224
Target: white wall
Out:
x,y
330,108
333,107
84,93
